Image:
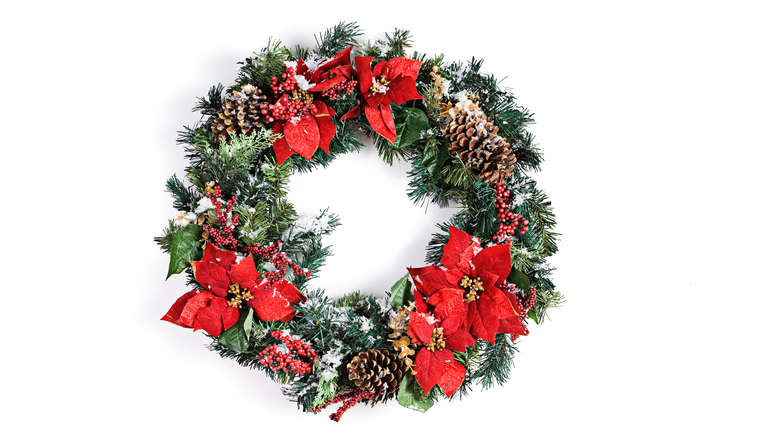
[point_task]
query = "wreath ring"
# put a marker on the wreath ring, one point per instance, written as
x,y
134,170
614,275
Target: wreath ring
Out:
x,y
248,256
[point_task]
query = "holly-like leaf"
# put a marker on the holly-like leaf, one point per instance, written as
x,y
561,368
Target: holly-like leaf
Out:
x,y
532,315
409,124
236,337
185,248
520,280
401,292
412,397
434,157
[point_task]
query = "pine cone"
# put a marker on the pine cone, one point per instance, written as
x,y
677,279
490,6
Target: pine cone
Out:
x,y
475,140
240,113
377,371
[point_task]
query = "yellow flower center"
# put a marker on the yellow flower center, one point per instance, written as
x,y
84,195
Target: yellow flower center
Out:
x,y
436,342
240,295
473,288
379,85
303,96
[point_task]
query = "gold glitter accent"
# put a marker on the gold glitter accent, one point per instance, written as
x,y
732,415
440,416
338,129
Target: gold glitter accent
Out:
x,y
398,340
473,286
378,84
209,188
240,295
303,96
436,342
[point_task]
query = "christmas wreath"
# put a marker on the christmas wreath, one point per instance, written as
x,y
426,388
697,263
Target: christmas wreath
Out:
x,y
248,256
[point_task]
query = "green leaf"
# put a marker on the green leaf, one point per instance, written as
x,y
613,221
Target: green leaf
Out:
x,y
248,324
532,315
409,124
401,292
236,337
185,248
434,157
520,280
411,397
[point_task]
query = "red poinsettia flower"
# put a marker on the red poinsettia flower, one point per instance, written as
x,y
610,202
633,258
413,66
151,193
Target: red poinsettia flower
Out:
x,y
304,134
434,364
230,285
327,74
314,129
393,81
469,287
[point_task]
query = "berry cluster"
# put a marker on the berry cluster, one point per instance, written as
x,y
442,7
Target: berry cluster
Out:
x,y
223,237
288,107
277,359
333,93
278,259
350,399
508,221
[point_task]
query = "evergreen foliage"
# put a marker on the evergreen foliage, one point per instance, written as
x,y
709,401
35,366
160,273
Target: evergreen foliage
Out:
x,y
245,167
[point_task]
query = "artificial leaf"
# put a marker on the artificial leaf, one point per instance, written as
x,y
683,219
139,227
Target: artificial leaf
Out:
x,y
434,157
532,315
401,292
519,278
248,324
410,122
411,396
185,248
236,337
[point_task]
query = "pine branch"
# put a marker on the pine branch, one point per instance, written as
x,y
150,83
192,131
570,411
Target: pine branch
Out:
x,y
337,38
166,240
259,69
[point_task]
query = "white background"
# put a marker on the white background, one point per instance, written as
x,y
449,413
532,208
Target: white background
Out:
x,y
652,120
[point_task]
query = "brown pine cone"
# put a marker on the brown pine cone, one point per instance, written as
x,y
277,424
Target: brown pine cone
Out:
x,y
377,371
476,141
240,113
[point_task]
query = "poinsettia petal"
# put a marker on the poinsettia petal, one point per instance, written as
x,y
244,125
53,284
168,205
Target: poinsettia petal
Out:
x,y
271,306
421,303
289,292
340,59
174,313
193,306
210,318
229,317
364,76
452,377
402,90
448,302
354,112
512,325
326,126
378,124
503,305
402,66
460,246
451,324
303,136
325,85
218,256
419,329
282,150
489,279
486,323
431,279
211,276
346,71
389,119
380,69
244,273
494,259
301,67
428,369
459,340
